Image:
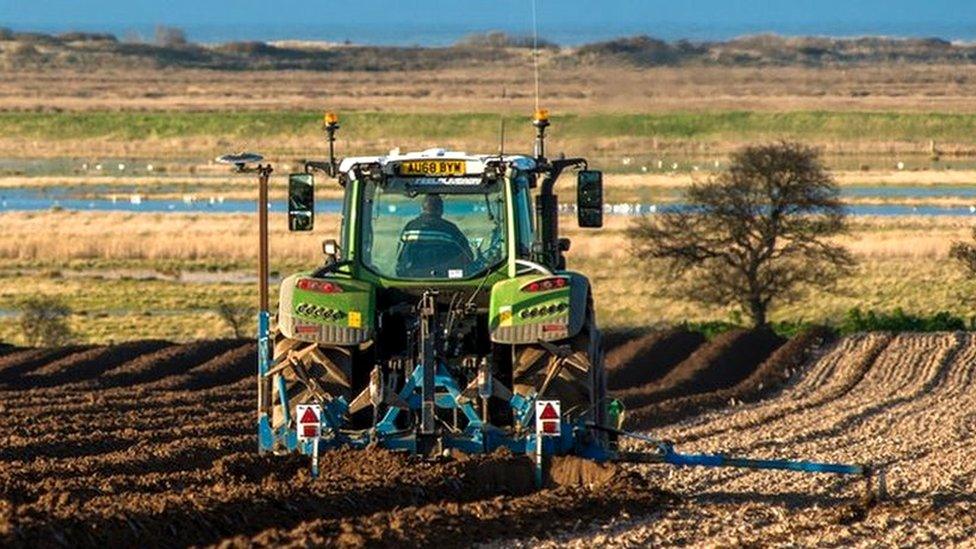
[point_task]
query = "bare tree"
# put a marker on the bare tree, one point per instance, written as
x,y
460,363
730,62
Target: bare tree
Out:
x,y
237,317
757,233
965,254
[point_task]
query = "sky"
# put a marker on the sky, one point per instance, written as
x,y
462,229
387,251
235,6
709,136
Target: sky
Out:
x,y
436,22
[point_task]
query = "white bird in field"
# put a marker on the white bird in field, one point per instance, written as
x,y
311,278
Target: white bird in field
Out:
x,y
121,167
644,169
972,209
135,199
674,166
660,164
98,167
84,166
626,160
150,167
901,165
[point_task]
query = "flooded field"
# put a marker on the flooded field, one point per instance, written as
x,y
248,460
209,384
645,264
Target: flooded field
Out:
x,y
948,200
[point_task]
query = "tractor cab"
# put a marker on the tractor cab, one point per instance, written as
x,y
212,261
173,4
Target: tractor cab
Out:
x,y
443,215
435,216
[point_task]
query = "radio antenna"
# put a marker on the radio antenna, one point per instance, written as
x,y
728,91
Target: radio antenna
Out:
x,y
535,52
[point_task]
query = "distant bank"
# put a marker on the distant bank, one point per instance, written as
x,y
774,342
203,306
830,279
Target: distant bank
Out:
x,y
174,47
563,30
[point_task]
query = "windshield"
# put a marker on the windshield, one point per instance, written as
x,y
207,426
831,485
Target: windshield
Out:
x,y
420,229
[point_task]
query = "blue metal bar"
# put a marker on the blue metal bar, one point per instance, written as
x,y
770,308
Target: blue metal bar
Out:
x,y
264,329
667,454
283,398
717,460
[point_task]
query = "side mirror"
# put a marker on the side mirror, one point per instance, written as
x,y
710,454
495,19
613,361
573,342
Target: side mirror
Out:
x,y
301,202
330,248
589,198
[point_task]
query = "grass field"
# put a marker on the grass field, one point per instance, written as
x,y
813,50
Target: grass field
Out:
x,y
957,128
616,142
131,276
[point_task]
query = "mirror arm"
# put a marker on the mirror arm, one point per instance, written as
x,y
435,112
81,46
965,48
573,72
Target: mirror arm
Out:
x,y
555,168
547,214
326,167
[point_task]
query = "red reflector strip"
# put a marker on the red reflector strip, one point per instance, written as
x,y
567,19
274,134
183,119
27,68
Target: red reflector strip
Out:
x,y
321,286
550,426
546,284
310,430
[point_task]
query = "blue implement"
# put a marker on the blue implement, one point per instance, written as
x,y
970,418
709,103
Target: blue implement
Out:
x,y
667,454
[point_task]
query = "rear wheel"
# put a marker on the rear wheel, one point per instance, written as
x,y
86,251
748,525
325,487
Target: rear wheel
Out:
x,y
315,373
577,379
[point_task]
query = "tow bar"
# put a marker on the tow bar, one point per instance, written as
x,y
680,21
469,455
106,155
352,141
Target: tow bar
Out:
x,y
876,488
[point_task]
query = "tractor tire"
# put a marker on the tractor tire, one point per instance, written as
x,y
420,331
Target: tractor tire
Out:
x,y
580,385
318,373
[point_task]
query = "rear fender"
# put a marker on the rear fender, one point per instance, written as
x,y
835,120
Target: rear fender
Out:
x,y
343,318
520,316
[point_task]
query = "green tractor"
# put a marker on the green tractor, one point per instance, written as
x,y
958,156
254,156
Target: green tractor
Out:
x,y
444,312
445,319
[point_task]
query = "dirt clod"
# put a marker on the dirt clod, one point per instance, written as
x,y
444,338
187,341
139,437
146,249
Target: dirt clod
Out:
x,y
574,471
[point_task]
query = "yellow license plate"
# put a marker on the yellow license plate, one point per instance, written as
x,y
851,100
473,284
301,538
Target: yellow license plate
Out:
x,y
433,167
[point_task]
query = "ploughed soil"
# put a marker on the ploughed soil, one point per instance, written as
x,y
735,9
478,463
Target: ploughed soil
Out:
x,y
720,364
648,357
151,443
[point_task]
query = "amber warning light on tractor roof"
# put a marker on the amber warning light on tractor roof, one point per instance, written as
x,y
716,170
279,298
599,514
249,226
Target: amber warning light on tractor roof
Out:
x,y
540,119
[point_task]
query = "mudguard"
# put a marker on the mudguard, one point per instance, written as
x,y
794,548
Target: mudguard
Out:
x,y
345,317
517,315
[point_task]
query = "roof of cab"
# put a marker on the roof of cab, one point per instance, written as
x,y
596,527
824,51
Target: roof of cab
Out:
x,y
478,160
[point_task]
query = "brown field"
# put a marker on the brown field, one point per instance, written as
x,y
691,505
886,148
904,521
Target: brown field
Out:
x,y
896,87
50,237
151,444
164,273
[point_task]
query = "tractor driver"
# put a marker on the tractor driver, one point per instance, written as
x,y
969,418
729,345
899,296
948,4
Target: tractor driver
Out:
x,y
431,245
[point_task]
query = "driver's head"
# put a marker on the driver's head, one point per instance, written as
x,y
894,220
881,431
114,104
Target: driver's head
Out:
x,y
433,205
